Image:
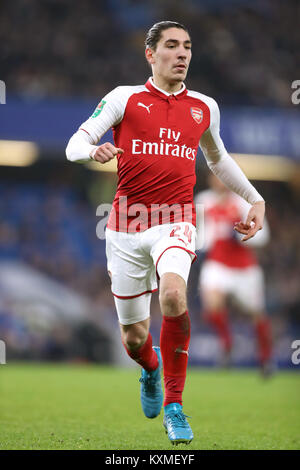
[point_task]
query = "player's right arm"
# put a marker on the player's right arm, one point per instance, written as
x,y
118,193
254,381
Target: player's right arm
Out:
x,y
82,146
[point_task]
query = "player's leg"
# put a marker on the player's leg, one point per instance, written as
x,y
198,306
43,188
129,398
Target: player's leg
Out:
x,y
175,335
132,287
214,286
173,269
263,333
250,295
133,280
137,341
172,247
135,334
215,313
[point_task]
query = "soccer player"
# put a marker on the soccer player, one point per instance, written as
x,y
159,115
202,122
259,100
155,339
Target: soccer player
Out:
x,y
231,269
150,233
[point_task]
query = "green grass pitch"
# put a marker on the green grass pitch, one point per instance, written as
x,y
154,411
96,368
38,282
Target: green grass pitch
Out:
x,y
54,406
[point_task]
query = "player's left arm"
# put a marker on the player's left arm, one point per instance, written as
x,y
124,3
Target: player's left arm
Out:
x,y
228,171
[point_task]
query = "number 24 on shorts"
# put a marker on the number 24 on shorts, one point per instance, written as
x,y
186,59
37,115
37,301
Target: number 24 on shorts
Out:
x,y
178,232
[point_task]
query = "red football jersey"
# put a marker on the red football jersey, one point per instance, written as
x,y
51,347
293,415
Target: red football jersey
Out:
x,y
160,135
221,242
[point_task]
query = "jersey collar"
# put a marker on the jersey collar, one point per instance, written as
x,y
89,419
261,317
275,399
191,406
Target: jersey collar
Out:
x,y
164,94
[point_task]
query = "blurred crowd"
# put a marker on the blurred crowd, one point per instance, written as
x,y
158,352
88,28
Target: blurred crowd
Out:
x,y
48,227
51,229
244,52
281,258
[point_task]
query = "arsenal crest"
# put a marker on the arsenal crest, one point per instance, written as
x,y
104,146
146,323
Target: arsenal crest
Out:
x,y
197,114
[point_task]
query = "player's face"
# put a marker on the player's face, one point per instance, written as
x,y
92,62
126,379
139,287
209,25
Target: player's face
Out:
x,y
170,61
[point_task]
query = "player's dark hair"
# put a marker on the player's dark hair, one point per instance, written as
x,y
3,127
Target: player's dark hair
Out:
x,y
154,33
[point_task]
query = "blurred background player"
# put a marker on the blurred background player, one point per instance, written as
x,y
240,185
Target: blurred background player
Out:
x,y
230,270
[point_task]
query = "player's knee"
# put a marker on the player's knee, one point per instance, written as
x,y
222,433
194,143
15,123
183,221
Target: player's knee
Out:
x,y
170,296
134,339
172,300
134,343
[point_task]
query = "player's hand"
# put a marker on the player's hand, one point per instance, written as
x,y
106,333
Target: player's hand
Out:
x,y
105,152
254,222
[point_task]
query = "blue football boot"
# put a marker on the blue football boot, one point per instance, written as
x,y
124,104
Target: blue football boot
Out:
x,y
151,389
176,425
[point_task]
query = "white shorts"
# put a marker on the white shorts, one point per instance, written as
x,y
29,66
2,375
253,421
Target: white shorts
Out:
x,y
246,285
136,260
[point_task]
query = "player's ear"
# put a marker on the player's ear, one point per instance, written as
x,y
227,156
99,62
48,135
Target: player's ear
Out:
x,y
149,55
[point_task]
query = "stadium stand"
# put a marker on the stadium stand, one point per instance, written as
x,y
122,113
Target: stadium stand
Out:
x,y
246,53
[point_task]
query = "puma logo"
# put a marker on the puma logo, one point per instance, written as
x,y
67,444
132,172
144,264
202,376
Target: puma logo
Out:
x,y
144,106
179,350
